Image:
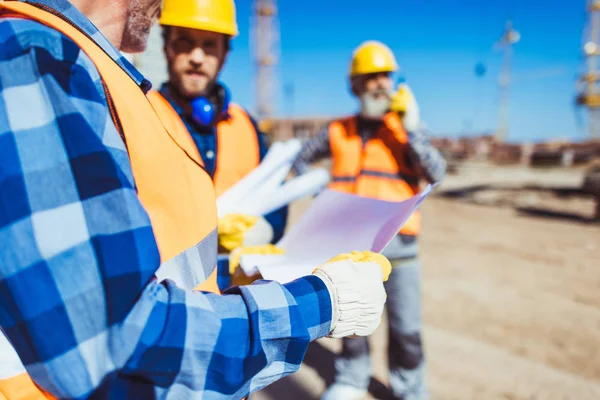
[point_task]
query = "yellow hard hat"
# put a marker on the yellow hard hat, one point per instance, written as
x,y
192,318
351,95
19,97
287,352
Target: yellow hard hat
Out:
x,y
207,15
372,57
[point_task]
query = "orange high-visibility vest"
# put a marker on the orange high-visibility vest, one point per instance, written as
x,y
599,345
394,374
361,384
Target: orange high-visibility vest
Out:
x,y
378,168
238,151
174,189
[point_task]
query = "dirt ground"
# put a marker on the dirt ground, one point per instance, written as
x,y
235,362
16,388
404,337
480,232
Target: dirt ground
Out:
x,y
511,307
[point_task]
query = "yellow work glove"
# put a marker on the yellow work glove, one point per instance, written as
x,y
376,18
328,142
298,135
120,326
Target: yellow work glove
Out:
x,y
404,103
238,276
355,284
367,256
401,99
237,230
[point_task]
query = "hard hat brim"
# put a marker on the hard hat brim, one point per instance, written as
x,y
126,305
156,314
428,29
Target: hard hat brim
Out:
x,y
370,71
199,23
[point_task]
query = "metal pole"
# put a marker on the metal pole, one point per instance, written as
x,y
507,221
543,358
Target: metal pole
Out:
x,y
504,95
509,38
592,64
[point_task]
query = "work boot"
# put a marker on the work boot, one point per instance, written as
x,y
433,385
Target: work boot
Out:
x,y
340,391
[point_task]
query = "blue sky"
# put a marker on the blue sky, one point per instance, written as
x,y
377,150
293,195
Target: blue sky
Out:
x,y
437,43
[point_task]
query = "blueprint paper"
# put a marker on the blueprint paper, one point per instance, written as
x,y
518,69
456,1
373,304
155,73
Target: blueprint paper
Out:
x,y
340,222
336,223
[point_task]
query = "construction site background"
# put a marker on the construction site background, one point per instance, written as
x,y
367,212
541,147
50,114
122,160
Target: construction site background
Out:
x,y
511,249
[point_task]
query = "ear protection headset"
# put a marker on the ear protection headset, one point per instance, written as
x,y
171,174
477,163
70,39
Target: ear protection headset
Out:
x,y
206,112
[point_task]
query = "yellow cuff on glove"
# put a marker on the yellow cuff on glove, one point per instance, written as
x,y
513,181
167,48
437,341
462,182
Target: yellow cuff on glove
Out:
x,y
357,293
266,249
232,229
238,277
367,256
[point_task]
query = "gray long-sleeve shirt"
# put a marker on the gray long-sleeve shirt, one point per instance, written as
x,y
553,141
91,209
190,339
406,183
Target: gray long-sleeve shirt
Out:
x,y
426,161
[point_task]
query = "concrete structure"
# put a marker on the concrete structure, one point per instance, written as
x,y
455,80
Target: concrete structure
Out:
x,y
265,48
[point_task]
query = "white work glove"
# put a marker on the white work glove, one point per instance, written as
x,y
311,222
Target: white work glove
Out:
x,y
355,283
260,234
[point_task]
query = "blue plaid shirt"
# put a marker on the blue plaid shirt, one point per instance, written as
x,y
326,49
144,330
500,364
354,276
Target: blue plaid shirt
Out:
x,y
77,253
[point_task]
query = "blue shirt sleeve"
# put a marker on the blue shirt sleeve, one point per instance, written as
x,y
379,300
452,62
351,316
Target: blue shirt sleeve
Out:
x,y
78,297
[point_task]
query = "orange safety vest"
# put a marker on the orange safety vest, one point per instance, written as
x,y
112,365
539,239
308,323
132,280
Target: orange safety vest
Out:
x,y
378,168
174,189
238,151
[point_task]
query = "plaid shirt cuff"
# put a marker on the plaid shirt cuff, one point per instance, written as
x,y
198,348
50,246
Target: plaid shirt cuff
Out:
x,y
314,303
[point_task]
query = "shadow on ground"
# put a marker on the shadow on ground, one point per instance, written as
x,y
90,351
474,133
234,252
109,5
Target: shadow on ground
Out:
x,y
554,215
321,360
467,192
462,193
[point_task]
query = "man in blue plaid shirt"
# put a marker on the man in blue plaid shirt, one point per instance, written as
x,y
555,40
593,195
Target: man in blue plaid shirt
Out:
x,y
74,236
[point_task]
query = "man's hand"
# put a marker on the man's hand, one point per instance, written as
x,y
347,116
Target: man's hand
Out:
x,y
237,230
404,103
355,283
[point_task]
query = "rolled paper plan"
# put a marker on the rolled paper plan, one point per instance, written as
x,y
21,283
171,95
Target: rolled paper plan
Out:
x,y
264,202
278,156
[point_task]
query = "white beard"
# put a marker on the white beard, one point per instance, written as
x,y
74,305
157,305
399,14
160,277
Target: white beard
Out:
x,y
374,108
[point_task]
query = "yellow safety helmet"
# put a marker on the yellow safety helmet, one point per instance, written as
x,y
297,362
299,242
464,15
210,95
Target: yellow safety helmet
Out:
x,y
372,57
207,15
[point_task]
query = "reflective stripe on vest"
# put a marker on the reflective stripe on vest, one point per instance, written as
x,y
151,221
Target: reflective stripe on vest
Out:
x,y
174,189
184,267
377,168
238,152
411,180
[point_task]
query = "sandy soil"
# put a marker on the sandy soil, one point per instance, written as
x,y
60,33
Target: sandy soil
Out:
x,y
511,308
